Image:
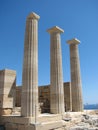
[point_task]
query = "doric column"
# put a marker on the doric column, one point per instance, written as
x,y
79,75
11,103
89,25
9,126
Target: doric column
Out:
x,y
76,86
56,87
29,102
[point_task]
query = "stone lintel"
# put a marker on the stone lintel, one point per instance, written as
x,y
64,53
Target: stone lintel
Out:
x,y
33,16
55,29
73,41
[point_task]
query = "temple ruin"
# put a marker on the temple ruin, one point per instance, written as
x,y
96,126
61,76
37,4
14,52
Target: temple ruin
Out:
x,y
32,101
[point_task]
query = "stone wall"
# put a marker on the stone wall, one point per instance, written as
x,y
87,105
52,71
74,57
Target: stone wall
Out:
x,y
10,95
18,96
1,88
67,96
44,97
7,90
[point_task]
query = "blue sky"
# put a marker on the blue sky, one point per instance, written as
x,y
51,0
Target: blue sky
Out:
x,y
78,18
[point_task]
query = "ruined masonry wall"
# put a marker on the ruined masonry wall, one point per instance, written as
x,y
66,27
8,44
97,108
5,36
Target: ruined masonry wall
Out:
x,y
44,97
7,90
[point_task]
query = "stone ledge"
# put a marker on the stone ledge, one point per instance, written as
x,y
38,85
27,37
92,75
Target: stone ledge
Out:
x,y
27,120
46,126
15,120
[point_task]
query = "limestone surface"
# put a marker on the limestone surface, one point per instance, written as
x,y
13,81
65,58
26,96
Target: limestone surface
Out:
x,y
76,85
56,76
29,100
7,91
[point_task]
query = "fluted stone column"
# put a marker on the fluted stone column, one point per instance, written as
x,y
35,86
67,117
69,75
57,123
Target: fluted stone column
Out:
x,y
56,87
29,102
76,86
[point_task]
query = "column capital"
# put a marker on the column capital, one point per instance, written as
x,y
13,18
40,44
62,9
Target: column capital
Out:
x,y
55,29
73,41
33,15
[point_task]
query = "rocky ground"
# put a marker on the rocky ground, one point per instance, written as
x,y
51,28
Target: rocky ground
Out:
x,y
87,120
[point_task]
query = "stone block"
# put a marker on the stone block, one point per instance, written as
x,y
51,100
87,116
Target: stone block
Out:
x,y
6,111
7,88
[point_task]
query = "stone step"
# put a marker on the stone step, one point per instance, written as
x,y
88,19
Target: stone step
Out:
x,y
51,125
49,117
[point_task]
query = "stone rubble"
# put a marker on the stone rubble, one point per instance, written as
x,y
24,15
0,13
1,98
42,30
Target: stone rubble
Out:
x,y
88,122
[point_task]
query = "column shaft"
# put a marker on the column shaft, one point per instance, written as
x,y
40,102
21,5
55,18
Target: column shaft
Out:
x,y
29,101
56,87
76,85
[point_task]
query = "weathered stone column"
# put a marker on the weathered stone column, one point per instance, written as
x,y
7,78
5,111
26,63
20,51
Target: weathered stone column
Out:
x,y
29,102
76,86
56,87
